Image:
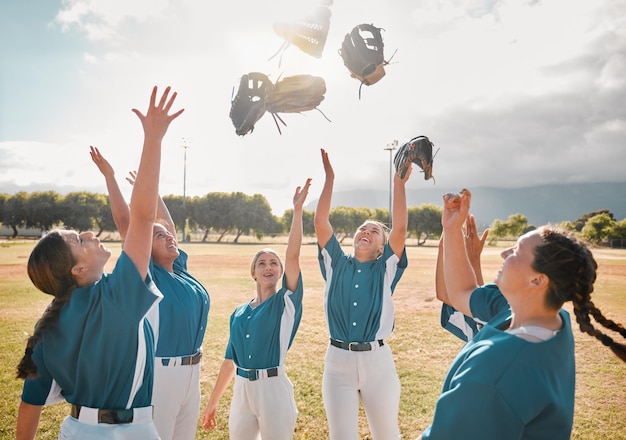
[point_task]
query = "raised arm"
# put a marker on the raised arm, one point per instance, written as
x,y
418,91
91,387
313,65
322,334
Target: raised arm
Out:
x,y
459,277
294,243
323,228
119,207
155,123
163,213
400,216
474,245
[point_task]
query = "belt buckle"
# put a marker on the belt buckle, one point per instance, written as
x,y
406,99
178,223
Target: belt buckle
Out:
x,y
252,374
115,417
353,346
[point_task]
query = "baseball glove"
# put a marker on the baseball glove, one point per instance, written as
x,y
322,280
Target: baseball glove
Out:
x,y
362,51
418,150
295,94
307,33
248,106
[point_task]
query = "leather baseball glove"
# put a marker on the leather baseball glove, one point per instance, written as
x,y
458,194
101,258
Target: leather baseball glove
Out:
x,y
419,151
248,106
295,94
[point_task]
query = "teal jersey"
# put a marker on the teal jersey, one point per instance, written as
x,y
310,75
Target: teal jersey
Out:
x,y
261,336
100,354
358,296
501,386
183,311
461,326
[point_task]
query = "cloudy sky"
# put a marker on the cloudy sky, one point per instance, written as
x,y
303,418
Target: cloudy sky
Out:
x,y
514,93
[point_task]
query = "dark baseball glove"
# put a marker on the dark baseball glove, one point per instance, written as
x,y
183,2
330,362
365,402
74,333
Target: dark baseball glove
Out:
x,y
362,51
309,32
248,106
418,150
295,94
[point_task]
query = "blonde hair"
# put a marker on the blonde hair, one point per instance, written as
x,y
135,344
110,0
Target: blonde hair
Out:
x,y
264,251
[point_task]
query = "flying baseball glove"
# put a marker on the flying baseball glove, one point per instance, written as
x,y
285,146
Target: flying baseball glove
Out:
x,y
418,150
295,94
248,106
308,33
362,51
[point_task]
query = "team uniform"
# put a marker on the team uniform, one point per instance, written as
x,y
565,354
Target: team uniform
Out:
x,y
179,324
501,386
460,325
263,403
359,365
99,357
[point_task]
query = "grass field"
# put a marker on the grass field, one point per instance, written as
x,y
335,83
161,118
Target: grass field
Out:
x,y
422,349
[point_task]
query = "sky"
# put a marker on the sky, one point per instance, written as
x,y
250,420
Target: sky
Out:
x,y
513,93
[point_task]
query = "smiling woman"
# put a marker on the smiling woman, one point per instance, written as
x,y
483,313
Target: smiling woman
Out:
x,y
261,333
83,326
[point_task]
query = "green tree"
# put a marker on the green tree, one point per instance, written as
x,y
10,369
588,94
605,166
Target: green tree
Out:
x,y
308,226
80,209
425,222
14,213
619,229
180,213
211,211
579,223
43,210
514,226
598,228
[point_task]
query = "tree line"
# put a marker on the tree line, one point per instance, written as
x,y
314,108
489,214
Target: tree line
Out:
x,y
240,214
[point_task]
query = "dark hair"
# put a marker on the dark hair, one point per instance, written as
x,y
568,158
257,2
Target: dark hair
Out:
x,y
571,268
50,269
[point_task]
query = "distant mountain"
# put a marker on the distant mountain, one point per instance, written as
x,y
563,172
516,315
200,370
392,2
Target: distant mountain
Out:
x,y
540,204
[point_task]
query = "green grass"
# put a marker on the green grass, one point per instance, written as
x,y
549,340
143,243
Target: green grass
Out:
x,y
422,349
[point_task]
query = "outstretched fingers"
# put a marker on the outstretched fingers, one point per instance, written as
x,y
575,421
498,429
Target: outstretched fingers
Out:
x,y
301,193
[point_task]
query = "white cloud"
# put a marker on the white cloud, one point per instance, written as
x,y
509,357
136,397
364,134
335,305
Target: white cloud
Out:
x,y
513,92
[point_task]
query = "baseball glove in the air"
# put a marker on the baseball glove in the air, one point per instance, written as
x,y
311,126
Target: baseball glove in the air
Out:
x,y
419,151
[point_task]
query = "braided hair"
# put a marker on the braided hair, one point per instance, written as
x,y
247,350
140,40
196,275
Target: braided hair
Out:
x,y
571,268
50,269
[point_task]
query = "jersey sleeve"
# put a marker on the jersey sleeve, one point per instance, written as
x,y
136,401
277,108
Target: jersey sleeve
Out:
x,y
487,301
460,325
473,410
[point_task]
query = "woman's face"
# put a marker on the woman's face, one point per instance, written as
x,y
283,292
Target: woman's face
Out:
x,y
164,245
267,269
370,238
516,272
86,249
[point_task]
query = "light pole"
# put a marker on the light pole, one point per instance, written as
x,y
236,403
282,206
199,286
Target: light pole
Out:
x,y
185,146
390,148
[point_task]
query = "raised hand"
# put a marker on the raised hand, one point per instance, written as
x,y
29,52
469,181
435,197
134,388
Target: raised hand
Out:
x,y
328,169
103,165
156,121
455,209
300,196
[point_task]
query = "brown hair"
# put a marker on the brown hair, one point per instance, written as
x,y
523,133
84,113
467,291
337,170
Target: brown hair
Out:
x,y
571,268
50,269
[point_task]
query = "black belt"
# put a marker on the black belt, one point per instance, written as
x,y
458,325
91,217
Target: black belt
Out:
x,y
109,416
355,346
185,360
254,374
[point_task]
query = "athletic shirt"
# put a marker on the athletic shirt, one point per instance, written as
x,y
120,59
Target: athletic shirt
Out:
x,y
460,325
501,386
100,353
261,336
182,315
358,296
